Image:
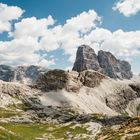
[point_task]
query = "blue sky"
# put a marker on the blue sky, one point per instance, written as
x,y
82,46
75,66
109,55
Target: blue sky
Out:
x,y
62,10
65,9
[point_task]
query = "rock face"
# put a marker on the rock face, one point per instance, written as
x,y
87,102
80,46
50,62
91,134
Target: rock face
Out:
x,y
71,81
22,74
113,67
52,80
104,62
87,76
86,59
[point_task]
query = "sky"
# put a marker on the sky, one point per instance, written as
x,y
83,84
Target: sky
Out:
x,y
48,32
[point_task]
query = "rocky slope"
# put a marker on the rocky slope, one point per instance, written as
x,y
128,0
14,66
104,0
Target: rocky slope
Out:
x,y
90,90
77,91
104,62
88,102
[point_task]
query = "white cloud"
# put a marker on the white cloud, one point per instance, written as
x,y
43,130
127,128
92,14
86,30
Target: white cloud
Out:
x,y
7,14
32,27
46,63
31,35
127,7
120,43
70,35
19,52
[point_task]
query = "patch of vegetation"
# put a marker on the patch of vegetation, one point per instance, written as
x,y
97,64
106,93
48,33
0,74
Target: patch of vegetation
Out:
x,y
58,133
5,135
6,113
97,116
18,106
136,137
34,131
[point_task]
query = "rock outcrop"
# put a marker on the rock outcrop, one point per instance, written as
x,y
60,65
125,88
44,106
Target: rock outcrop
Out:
x,y
104,62
86,59
54,80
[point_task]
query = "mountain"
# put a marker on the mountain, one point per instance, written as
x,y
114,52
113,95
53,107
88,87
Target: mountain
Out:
x,y
38,103
22,74
104,62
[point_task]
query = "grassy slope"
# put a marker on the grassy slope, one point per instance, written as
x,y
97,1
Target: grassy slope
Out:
x,y
34,131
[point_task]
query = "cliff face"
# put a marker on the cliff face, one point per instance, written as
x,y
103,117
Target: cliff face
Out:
x,y
104,62
113,67
86,59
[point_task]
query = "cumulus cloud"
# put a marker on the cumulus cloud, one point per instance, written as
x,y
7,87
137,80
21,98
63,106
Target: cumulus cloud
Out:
x,y
32,35
32,27
8,14
19,52
70,35
127,7
122,44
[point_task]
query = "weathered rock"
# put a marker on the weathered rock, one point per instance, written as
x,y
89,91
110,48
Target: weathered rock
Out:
x,y
136,88
120,100
71,81
86,59
52,80
57,80
113,67
91,78
105,63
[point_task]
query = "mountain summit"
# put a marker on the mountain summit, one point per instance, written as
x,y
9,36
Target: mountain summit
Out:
x,y
104,62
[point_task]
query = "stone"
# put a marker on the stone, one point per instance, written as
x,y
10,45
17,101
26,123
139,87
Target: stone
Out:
x,y
52,80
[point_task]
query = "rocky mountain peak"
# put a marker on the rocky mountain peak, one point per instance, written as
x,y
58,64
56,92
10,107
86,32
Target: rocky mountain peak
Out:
x,y
104,62
86,60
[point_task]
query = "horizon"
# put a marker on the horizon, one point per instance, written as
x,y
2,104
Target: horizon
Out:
x,y
48,33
